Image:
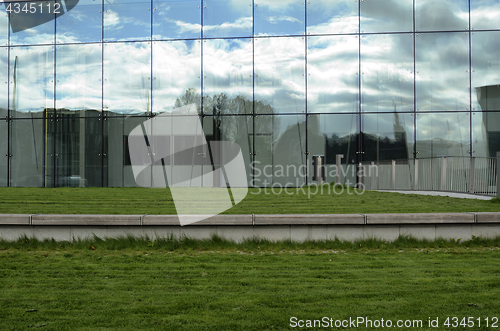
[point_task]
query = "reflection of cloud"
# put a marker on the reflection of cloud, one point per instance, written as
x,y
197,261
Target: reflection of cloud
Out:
x,y
279,66
111,19
335,25
276,5
277,19
485,16
240,23
441,15
185,27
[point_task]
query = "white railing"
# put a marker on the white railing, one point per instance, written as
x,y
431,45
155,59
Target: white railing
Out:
x,y
476,175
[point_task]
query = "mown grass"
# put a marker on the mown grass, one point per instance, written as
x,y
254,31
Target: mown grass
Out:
x,y
306,200
185,284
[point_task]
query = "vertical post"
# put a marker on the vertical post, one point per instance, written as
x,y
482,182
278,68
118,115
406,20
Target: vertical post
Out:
x,y
360,176
372,175
443,173
393,175
472,174
81,142
416,175
338,164
319,169
498,176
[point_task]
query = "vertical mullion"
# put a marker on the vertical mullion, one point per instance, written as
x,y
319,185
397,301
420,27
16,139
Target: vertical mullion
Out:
x,y
102,94
471,151
252,158
414,35
360,122
306,93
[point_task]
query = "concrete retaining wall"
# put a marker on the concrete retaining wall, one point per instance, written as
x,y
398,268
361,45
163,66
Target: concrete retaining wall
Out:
x,y
273,227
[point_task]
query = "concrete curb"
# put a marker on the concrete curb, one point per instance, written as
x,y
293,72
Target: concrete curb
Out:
x,y
309,219
261,220
424,218
488,217
95,220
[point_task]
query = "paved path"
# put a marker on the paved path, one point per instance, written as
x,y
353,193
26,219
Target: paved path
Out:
x,y
444,194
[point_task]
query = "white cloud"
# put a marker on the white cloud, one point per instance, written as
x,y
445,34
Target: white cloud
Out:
x,y
277,19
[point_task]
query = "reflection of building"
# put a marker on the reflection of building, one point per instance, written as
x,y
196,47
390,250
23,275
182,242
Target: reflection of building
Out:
x,y
362,83
489,99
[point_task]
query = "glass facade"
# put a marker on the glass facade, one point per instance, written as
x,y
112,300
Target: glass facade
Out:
x,y
373,80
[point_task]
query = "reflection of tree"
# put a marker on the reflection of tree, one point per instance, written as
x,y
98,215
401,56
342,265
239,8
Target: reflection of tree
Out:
x,y
191,96
219,107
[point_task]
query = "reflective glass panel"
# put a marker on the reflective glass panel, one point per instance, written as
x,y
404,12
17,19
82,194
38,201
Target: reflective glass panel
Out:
x,y
442,134
279,70
4,145
442,65
127,20
280,146
387,72
30,165
175,19
332,17
279,18
75,150
332,74
31,78
4,27
4,79
33,23
485,134
329,135
386,15
81,23
387,136
222,18
118,168
127,78
443,15
227,76
485,14
78,77
237,129
485,70
176,74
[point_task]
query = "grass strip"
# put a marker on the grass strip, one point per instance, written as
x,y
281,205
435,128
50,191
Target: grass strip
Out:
x,y
306,200
255,285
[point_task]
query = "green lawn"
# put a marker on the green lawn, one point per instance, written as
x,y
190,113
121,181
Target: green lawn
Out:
x,y
258,201
251,286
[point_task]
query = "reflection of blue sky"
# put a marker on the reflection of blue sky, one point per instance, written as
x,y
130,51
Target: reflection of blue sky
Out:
x,y
4,27
279,18
127,20
176,19
227,19
324,17
81,24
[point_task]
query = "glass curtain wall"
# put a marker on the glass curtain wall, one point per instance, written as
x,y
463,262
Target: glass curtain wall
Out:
x,y
373,80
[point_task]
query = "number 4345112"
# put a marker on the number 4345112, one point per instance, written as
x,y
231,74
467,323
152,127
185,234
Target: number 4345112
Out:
x,y
33,8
